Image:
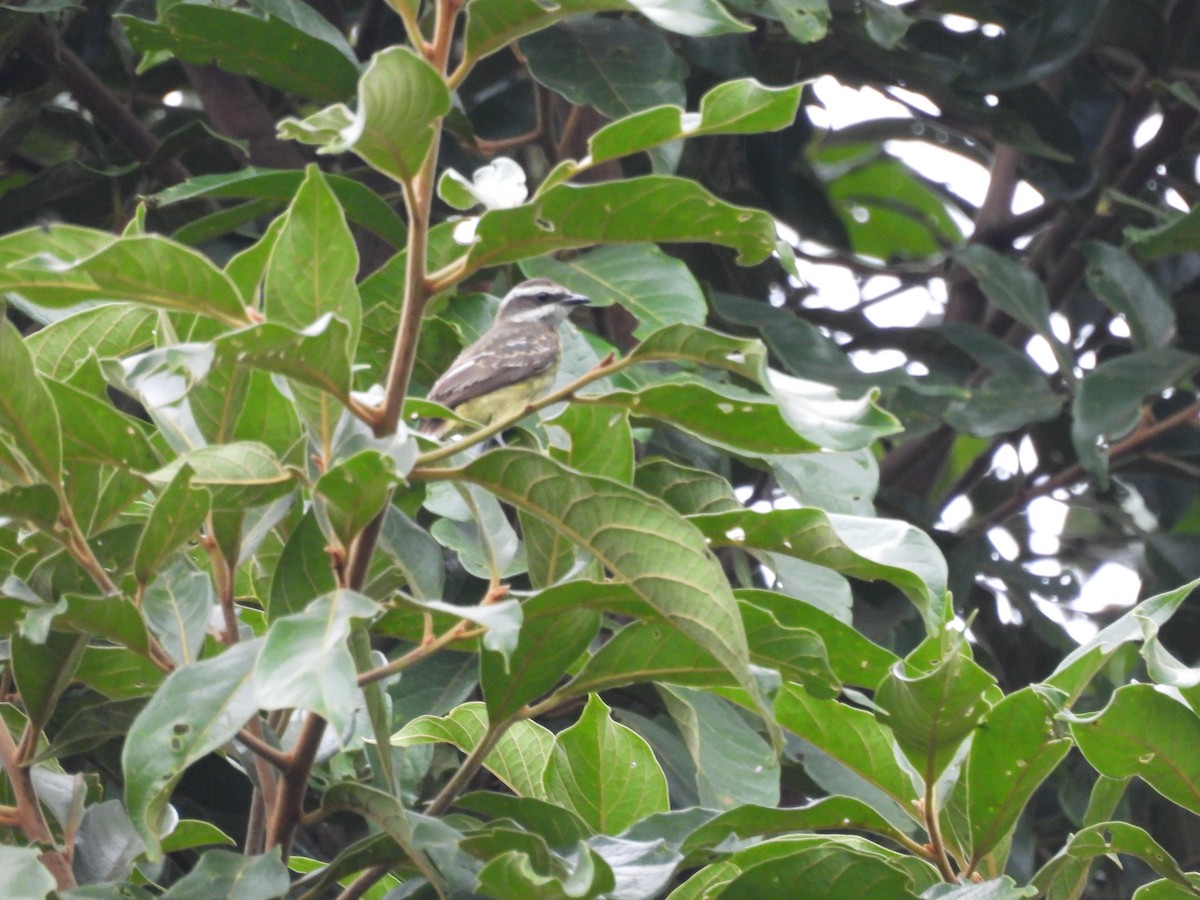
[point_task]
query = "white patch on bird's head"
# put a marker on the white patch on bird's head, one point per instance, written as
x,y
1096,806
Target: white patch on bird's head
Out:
x,y
539,300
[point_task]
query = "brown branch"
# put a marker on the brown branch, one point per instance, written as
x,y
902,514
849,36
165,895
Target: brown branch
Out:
x,y
364,882
48,51
235,109
289,808
28,812
1190,414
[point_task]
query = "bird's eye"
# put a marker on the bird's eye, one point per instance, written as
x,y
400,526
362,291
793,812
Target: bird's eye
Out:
x,y
543,296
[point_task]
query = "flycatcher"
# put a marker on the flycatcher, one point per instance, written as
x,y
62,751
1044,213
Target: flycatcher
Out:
x,y
513,363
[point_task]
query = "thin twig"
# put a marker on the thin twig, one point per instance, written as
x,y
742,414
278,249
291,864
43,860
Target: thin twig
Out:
x,y
1076,472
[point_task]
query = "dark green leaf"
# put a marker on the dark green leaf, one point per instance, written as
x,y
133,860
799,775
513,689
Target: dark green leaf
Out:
x,y
269,50
355,490
43,671
549,642
28,413
1119,282
173,520
232,875
362,205
933,700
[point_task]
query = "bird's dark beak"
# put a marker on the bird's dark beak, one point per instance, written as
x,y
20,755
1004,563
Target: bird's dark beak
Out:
x,y
577,300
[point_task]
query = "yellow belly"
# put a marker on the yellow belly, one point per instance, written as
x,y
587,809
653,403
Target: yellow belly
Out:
x,y
506,402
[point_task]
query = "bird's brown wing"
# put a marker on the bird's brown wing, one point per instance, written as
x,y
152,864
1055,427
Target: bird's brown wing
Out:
x,y
505,355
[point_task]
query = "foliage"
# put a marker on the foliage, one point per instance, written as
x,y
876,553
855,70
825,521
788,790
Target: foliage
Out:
x,y
711,619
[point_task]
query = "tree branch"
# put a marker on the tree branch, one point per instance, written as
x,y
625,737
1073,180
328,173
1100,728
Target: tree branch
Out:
x,y
58,60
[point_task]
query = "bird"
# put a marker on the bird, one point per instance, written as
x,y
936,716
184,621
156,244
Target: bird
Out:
x,y
513,362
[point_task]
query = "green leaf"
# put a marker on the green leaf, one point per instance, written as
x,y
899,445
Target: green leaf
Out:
x,y
805,20
1109,402
656,288
1122,285
517,759
233,875
24,875
99,433
112,618
844,866
362,205
317,355
1144,732
1076,670
389,814
1002,404
118,673
44,670
550,640
853,658
192,833
36,504
851,736
604,772
314,262
619,66
1105,839
28,414
702,347
354,491
651,208
502,620
492,24
933,700
175,517
92,726
601,443
641,542
1017,291
177,604
816,411
306,662
891,211
724,416
269,50
859,547
110,329
304,570
198,709
149,269
1014,749
400,99
736,107
49,289
734,765
826,814
685,490
1179,235
238,474
513,874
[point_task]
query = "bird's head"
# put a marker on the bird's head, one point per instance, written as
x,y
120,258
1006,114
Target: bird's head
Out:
x,y
539,300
